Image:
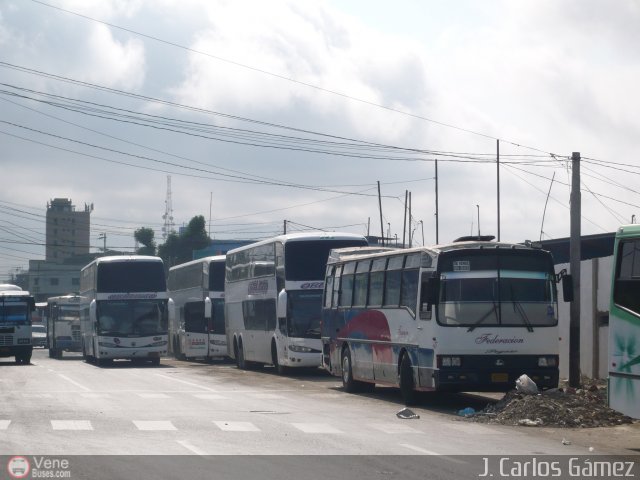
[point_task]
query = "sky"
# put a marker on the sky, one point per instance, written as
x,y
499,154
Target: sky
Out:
x,y
259,112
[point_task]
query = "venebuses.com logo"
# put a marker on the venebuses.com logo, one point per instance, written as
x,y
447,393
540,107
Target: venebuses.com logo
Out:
x,y
18,467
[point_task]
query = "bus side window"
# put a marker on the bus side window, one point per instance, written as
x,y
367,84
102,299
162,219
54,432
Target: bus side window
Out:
x,y
428,295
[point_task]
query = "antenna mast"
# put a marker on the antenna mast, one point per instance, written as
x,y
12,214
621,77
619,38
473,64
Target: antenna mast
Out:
x,y
168,226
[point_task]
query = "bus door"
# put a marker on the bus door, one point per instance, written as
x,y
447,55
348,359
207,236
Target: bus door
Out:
x,y
196,337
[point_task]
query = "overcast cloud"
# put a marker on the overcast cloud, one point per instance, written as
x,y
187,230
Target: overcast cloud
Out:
x,y
557,76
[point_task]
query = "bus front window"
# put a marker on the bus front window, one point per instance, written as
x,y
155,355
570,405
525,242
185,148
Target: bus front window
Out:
x,y
132,318
14,314
303,318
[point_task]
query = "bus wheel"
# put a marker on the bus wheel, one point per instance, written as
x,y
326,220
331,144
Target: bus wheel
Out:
x,y
155,361
348,383
52,353
407,385
242,364
280,369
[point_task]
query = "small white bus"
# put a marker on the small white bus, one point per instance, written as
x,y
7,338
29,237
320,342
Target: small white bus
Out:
x,y
197,290
63,327
273,298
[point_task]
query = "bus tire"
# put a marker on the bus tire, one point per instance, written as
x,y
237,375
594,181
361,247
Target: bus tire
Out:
x,y
240,361
348,383
280,369
52,353
155,361
407,384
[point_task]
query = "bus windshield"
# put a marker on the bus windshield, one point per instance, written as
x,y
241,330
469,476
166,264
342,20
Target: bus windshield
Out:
x,y
121,277
307,260
507,290
132,318
304,313
14,313
69,314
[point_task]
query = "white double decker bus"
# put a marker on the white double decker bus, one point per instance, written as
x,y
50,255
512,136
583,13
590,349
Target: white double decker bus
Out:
x,y
472,315
63,326
273,298
197,290
125,309
16,307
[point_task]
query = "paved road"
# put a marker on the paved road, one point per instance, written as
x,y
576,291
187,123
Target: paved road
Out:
x,y
68,407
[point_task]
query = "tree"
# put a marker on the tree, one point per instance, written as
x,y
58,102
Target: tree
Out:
x,y
178,248
145,236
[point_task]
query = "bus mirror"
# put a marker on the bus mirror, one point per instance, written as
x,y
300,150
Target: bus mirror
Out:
x,y
207,308
281,308
92,311
567,288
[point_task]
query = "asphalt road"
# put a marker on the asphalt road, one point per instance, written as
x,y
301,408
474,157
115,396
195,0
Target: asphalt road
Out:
x,y
187,412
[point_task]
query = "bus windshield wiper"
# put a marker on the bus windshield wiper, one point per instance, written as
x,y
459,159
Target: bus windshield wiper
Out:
x,y
518,308
493,310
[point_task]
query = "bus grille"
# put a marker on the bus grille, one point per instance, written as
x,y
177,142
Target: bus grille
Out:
x,y
75,333
6,340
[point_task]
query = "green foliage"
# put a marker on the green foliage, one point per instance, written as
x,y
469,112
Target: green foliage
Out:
x,y
145,236
178,248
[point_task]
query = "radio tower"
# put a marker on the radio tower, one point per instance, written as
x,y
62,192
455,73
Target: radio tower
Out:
x,y
167,228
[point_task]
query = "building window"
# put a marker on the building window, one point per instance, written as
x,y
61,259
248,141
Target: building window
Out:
x,y
75,282
54,281
36,281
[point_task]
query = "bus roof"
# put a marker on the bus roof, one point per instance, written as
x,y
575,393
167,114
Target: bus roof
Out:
x,y
123,258
71,298
356,253
302,237
624,231
15,293
8,287
211,259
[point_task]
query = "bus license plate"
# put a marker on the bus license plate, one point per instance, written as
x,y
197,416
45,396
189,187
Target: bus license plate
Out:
x,y
499,377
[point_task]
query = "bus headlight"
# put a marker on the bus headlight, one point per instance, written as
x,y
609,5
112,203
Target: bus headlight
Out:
x,y
547,362
159,344
107,344
449,361
301,349
219,342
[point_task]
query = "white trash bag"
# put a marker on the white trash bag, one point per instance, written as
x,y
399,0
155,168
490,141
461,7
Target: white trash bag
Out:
x,y
525,385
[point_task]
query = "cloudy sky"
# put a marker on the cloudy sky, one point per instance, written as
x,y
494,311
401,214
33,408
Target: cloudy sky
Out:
x,y
265,111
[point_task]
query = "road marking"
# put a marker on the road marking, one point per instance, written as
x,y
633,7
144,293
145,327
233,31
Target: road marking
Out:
x,y
71,425
190,447
394,428
154,425
430,452
237,426
186,383
210,396
153,395
95,395
74,382
316,428
266,396
4,424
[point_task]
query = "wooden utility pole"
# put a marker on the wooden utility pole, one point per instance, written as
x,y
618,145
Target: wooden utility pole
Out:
x,y
380,208
574,266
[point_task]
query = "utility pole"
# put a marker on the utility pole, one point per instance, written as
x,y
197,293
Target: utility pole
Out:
x,y
437,238
410,232
210,203
498,182
285,227
103,236
574,266
404,225
381,224
478,207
